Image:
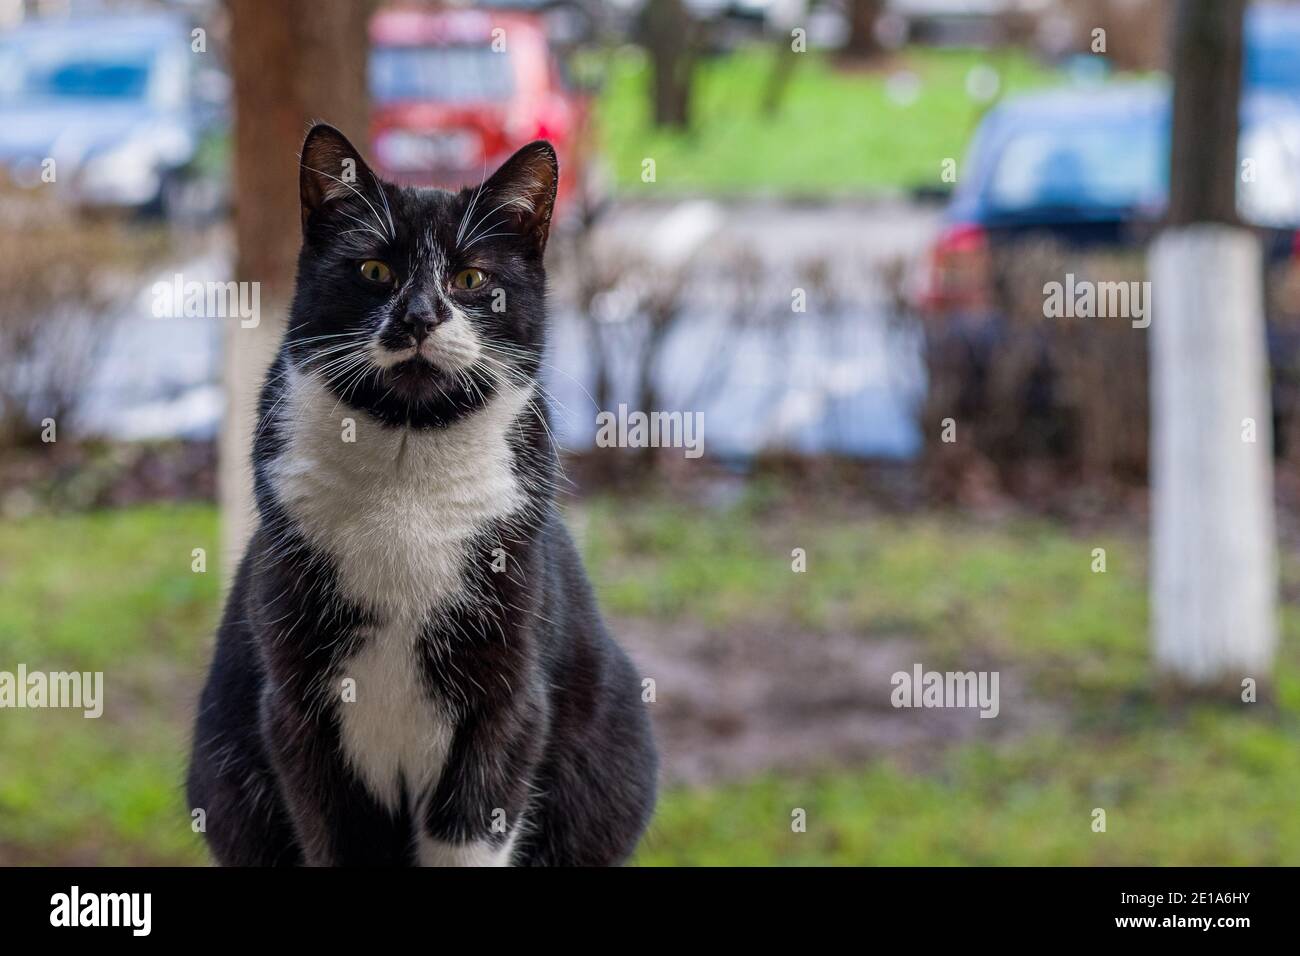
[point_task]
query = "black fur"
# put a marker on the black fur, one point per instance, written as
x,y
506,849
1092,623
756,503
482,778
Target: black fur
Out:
x,y
551,726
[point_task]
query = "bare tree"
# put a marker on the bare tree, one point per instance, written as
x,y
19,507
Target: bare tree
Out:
x,y
782,19
1214,582
300,62
862,40
670,41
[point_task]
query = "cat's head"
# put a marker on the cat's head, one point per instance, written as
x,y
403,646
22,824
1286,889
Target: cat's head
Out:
x,y
418,305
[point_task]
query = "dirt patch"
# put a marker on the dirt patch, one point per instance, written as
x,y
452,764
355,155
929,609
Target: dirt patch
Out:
x,y
735,703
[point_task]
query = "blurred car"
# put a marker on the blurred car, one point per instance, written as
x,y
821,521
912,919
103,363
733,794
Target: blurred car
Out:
x,y
455,92
1089,169
118,103
568,22
1086,172
1272,48
716,26
961,22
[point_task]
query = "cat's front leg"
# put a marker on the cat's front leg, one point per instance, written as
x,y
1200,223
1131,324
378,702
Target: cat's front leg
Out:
x,y
292,742
476,814
336,821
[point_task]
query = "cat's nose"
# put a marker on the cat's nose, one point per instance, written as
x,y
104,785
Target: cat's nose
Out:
x,y
421,319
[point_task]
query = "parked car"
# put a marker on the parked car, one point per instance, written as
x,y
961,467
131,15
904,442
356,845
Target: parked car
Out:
x,y
1272,48
1089,169
962,22
568,23
455,92
1086,172
121,105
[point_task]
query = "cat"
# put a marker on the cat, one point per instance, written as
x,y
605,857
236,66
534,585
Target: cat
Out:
x,y
411,668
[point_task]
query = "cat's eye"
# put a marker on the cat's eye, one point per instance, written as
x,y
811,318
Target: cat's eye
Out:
x,y
372,270
469,279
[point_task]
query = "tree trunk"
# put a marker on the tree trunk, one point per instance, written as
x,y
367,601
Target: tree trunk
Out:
x,y
778,77
301,62
862,40
669,40
1214,578
782,18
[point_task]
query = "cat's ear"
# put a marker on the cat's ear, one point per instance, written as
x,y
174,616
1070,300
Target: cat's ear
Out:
x,y
331,168
524,189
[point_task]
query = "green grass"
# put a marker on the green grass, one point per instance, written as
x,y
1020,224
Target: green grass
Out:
x,y
1181,782
1219,790
1022,590
111,592
836,130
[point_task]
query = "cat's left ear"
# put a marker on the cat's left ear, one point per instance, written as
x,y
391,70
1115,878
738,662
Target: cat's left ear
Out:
x,y
524,189
331,168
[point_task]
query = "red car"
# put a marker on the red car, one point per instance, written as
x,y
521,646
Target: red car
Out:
x,y
455,92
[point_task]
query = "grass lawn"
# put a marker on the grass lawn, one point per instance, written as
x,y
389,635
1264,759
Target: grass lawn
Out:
x,y
109,592
836,130
1214,789
1181,782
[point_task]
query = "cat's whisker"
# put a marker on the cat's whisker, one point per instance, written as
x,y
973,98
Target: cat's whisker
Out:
x,y
569,375
334,350
341,364
365,226
343,390
360,195
525,356
512,201
469,209
491,235
542,418
392,228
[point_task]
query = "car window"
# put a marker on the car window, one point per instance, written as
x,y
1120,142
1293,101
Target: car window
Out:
x,y
73,71
1272,38
443,74
1126,167
1106,167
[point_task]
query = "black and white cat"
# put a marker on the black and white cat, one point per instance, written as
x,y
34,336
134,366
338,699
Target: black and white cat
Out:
x,y
411,668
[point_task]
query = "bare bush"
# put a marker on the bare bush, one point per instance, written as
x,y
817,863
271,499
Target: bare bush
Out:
x,y
1035,400
633,310
59,278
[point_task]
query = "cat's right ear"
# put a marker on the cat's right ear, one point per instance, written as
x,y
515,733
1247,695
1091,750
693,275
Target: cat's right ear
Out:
x,y
330,168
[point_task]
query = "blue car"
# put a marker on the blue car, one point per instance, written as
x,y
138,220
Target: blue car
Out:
x,y
117,108
1089,168
1087,171
1272,48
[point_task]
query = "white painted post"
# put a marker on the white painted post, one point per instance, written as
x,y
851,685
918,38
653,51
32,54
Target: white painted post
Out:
x,y
1214,566
248,354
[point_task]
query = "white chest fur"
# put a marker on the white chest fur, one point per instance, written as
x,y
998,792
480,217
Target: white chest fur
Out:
x,y
395,509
